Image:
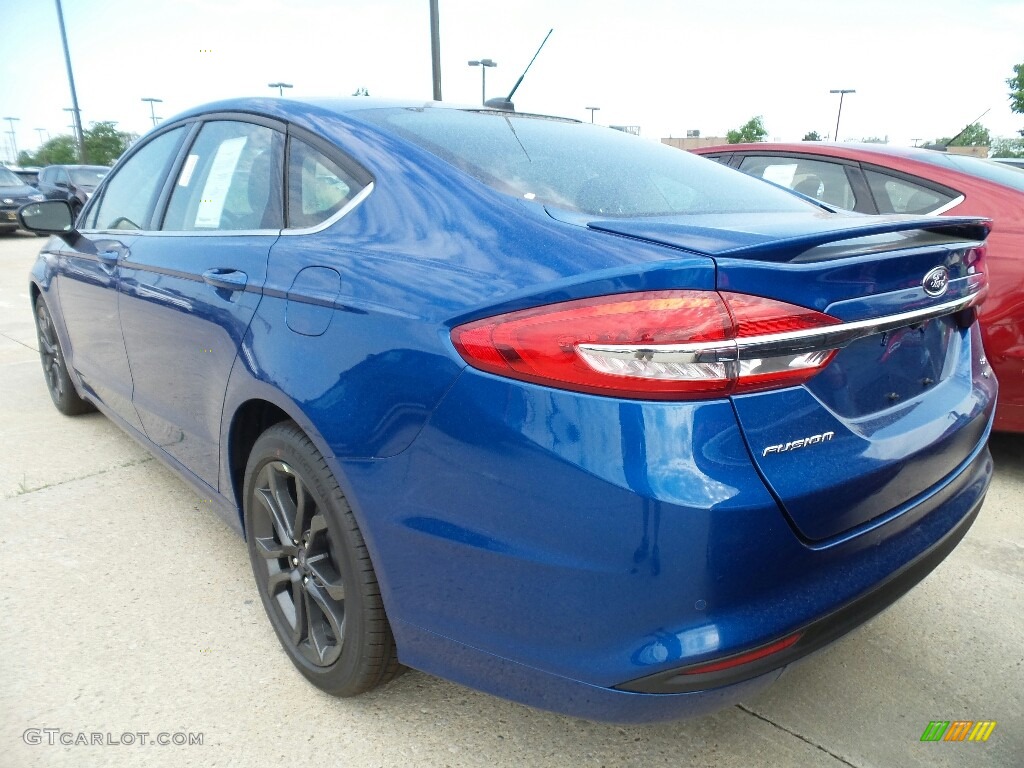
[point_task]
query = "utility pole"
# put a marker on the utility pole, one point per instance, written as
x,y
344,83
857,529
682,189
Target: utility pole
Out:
x,y
14,142
435,49
152,111
71,82
842,92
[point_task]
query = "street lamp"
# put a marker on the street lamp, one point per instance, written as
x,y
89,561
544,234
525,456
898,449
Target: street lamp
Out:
x,y
483,64
152,110
75,111
592,111
842,92
40,132
280,87
14,144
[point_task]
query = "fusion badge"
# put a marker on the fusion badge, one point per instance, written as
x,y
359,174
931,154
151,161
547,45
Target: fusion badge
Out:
x,y
803,442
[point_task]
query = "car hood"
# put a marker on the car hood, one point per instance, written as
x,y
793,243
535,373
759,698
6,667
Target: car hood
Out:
x,y
773,237
22,191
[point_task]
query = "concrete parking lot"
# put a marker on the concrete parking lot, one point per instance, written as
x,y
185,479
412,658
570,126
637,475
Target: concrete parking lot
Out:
x,y
127,608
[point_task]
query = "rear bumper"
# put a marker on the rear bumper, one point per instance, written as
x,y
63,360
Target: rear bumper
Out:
x,y
556,548
820,632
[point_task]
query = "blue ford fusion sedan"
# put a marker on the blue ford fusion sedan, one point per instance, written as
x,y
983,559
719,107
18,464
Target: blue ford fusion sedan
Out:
x,y
537,406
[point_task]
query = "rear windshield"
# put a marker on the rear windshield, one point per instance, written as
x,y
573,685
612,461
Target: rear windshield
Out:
x,y
87,177
1000,173
578,166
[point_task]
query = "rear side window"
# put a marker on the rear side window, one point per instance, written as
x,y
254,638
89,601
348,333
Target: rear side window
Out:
x,y
897,195
231,180
817,179
130,194
317,186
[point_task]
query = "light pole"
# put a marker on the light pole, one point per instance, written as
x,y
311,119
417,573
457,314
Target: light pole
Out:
x,y
71,82
152,110
842,92
14,144
280,87
40,132
483,64
592,111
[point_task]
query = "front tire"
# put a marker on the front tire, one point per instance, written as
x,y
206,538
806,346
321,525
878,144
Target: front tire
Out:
x,y
312,568
55,368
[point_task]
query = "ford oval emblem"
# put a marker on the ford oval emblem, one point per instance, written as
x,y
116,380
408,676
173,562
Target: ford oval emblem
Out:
x,y
936,282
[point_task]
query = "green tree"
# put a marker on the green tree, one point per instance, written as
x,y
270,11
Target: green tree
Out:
x,y
1008,148
811,136
104,143
1016,84
874,140
59,150
750,131
974,135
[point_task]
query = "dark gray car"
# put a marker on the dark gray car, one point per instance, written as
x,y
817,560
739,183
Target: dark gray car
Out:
x,y
74,183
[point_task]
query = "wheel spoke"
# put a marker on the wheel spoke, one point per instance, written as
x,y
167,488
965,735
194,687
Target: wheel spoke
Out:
x,y
325,575
333,611
276,500
301,614
304,506
269,548
277,581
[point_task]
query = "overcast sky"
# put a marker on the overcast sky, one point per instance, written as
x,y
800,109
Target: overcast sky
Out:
x,y
921,69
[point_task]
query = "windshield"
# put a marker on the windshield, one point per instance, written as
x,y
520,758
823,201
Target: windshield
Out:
x,y
580,167
87,177
8,179
985,169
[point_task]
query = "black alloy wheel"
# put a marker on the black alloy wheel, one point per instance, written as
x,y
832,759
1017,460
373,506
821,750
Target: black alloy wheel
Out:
x,y
58,380
312,568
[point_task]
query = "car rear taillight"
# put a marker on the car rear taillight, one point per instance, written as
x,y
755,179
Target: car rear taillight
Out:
x,y
657,345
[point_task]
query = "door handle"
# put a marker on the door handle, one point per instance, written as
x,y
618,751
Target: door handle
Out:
x,y
228,279
109,252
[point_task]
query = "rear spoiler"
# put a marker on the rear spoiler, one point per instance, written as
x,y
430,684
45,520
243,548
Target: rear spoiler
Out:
x,y
967,228
785,238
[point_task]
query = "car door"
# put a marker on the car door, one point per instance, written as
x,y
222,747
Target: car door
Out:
x,y
834,182
88,274
189,291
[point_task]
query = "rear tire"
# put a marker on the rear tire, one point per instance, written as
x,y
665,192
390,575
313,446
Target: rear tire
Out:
x,y
55,368
312,568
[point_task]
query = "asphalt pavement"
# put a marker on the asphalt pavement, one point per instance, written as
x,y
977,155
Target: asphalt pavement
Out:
x,y
128,617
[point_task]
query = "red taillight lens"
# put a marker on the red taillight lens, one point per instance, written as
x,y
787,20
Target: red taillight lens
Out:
x,y
661,345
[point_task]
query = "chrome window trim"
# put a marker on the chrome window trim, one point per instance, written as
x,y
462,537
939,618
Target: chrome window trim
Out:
x,y
947,207
754,347
351,205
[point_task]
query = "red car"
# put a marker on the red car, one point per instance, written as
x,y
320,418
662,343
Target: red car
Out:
x,y
876,179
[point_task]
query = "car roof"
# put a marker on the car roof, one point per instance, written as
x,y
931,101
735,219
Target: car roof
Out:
x,y
346,106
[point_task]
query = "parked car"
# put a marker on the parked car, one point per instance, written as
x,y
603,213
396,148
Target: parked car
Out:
x,y
14,193
74,183
29,175
873,178
533,405
1013,162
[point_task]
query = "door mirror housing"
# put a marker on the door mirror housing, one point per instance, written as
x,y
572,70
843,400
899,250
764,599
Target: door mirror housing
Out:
x,y
49,217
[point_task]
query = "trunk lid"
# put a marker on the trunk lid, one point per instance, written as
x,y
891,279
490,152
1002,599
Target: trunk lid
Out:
x,y
904,402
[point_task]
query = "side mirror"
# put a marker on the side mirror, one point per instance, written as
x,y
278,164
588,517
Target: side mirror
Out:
x,y
49,217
